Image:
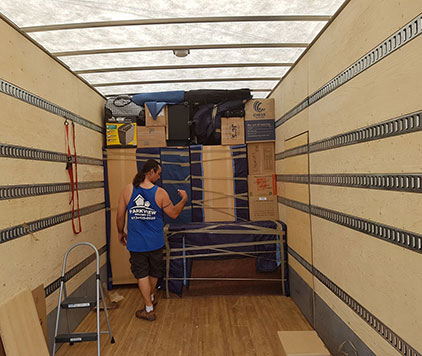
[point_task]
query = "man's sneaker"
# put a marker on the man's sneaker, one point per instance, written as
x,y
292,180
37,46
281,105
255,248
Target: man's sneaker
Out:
x,y
143,314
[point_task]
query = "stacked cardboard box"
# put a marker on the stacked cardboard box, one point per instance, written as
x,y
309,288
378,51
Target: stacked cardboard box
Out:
x,y
154,133
262,197
260,137
232,131
259,121
121,132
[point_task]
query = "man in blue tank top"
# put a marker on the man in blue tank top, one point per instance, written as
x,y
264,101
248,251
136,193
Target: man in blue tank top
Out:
x,y
144,203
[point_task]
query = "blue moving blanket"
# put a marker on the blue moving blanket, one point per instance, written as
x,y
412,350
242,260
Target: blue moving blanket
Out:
x,y
156,101
175,163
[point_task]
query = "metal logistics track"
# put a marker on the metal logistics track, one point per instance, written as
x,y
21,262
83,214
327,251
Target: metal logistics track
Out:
x,y
17,231
27,97
402,182
407,239
32,190
407,33
21,152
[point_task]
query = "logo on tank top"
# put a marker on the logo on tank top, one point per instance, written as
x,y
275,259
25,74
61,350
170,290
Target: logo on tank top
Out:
x,y
142,209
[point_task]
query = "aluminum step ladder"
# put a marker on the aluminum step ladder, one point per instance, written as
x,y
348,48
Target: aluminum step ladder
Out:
x,y
70,303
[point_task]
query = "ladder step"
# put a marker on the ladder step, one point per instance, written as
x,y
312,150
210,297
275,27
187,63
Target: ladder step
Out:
x,y
78,302
76,337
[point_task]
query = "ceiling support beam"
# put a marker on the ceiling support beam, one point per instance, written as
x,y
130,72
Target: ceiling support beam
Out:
x,y
180,47
172,81
189,66
172,21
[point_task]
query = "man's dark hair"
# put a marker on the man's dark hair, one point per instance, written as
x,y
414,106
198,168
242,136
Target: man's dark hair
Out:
x,y
148,165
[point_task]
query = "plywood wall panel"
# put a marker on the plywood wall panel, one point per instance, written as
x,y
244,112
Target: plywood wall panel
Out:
x,y
400,154
294,165
302,271
18,211
293,191
28,126
361,329
374,96
360,27
396,209
376,273
293,89
30,68
293,127
299,233
20,171
282,213
27,262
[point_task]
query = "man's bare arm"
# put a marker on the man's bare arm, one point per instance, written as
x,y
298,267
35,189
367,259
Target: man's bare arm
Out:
x,y
173,211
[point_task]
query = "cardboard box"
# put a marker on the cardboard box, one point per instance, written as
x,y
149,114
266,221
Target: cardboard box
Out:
x,y
232,131
259,121
260,109
121,133
263,208
302,343
262,185
261,158
151,136
262,197
160,120
260,130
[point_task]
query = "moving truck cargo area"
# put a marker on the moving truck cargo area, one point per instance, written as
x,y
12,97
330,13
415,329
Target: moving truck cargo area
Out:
x,y
211,177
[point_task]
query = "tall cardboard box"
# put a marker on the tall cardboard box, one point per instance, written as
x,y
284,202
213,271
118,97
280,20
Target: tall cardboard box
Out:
x,y
232,131
262,197
259,121
219,183
261,158
151,136
160,120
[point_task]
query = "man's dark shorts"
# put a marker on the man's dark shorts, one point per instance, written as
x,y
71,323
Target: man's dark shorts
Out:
x,y
143,264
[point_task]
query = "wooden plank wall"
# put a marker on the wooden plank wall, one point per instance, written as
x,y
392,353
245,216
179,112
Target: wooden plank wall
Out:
x,y
31,260
381,276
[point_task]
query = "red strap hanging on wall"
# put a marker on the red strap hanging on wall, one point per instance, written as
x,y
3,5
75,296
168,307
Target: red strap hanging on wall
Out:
x,y
73,177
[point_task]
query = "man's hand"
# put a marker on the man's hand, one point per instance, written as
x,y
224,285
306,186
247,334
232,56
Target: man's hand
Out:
x,y
182,193
122,238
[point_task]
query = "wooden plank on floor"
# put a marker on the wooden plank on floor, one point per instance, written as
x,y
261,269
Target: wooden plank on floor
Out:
x,y
20,330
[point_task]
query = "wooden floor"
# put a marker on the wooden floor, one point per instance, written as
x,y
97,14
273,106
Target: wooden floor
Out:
x,y
195,326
